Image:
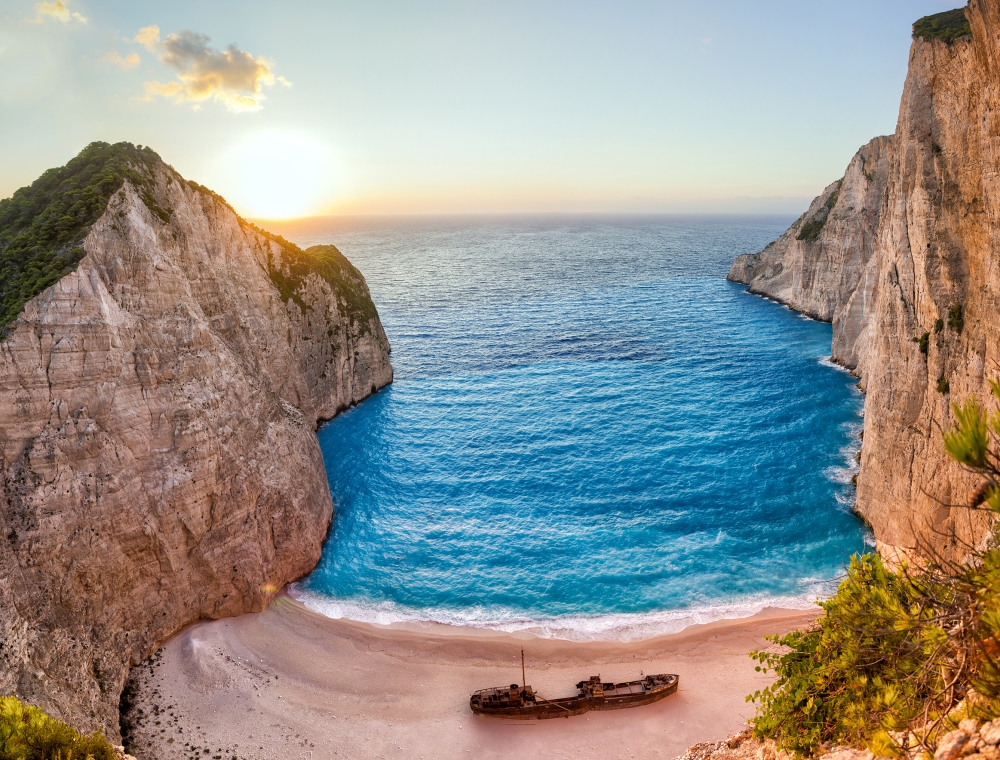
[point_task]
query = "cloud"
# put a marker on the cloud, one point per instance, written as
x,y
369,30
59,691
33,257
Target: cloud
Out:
x,y
148,37
232,76
57,9
127,63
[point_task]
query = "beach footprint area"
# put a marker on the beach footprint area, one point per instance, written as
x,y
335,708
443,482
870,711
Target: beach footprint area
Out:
x,y
595,448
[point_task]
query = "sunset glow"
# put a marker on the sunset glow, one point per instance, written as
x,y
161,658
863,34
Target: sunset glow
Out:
x,y
461,108
278,175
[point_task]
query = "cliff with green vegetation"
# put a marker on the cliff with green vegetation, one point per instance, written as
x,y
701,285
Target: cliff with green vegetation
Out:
x,y
947,26
902,264
42,227
823,264
904,660
163,367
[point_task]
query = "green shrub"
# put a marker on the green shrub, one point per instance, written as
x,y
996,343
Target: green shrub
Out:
x,y
969,441
857,672
42,228
811,230
943,386
938,326
956,318
923,342
329,263
43,225
896,650
27,733
947,26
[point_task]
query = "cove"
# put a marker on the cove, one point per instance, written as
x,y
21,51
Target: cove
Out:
x,y
591,434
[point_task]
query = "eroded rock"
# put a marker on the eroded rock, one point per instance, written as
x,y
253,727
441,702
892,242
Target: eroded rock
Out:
x,y
905,267
158,460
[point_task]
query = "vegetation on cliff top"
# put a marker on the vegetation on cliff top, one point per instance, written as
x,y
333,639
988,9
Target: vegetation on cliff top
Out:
x,y
289,275
894,654
42,226
328,262
947,26
27,733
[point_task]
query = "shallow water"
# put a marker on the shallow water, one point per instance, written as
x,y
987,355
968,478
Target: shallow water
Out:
x,y
591,434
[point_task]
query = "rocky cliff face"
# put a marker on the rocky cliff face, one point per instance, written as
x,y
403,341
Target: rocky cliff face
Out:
x,y
936,274
158,460
823,264
921,308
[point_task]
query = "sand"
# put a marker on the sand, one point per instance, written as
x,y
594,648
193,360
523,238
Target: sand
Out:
x,y
289,683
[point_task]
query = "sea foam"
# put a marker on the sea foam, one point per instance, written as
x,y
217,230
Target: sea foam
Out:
x,y
601,627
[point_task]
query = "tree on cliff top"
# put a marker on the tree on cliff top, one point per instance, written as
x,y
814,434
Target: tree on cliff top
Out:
x,y
42,226
947,26
894,652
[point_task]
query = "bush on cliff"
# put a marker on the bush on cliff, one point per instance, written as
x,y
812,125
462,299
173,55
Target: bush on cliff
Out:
x,y
947,26
895,651
956,318
811,230
27,733
43,225
289,277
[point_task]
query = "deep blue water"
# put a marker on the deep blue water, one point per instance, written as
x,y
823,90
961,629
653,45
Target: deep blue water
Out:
x,y
590,433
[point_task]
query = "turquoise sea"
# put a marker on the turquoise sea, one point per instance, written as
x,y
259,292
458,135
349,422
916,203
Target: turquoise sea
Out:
x,y
591,434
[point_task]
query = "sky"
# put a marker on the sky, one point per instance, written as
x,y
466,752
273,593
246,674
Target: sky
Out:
x,y
328,107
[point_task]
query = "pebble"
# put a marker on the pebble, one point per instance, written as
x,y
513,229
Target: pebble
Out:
x,y
951,745
990,732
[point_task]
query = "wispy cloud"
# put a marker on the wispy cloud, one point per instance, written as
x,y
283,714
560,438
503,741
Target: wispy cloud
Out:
x,y
127,63
232,76
57,10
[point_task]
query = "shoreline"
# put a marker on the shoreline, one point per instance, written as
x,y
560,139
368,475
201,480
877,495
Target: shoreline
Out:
x,y
290,682
622,627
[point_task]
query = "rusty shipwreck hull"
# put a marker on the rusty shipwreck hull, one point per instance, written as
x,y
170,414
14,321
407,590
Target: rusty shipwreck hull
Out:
x,y
522,703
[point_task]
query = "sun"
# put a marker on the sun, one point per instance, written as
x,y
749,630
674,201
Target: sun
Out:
x,y
279,175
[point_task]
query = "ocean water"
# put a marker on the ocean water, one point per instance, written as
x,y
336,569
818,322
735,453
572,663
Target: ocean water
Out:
x,y
591,434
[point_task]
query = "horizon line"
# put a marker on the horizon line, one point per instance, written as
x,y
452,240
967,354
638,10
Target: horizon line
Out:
x,y
469,214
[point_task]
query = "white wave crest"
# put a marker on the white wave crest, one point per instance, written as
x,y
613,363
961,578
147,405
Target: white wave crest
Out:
x,y
623,627
846,500
844,474
827,361
840,475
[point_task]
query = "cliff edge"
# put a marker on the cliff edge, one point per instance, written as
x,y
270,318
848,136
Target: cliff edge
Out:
x,y
822,265
908,274
163,367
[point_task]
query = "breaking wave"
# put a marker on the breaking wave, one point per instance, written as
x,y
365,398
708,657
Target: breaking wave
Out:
x,y
621,627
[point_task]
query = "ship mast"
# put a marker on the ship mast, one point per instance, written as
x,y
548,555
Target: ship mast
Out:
x,y
524,681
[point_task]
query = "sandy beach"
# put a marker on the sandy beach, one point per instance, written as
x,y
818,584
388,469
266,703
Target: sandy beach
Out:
x,y
290,683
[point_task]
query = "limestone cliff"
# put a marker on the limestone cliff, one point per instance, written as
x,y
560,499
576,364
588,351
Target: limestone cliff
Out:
x,y
921,306
158,460
936,275
823,265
